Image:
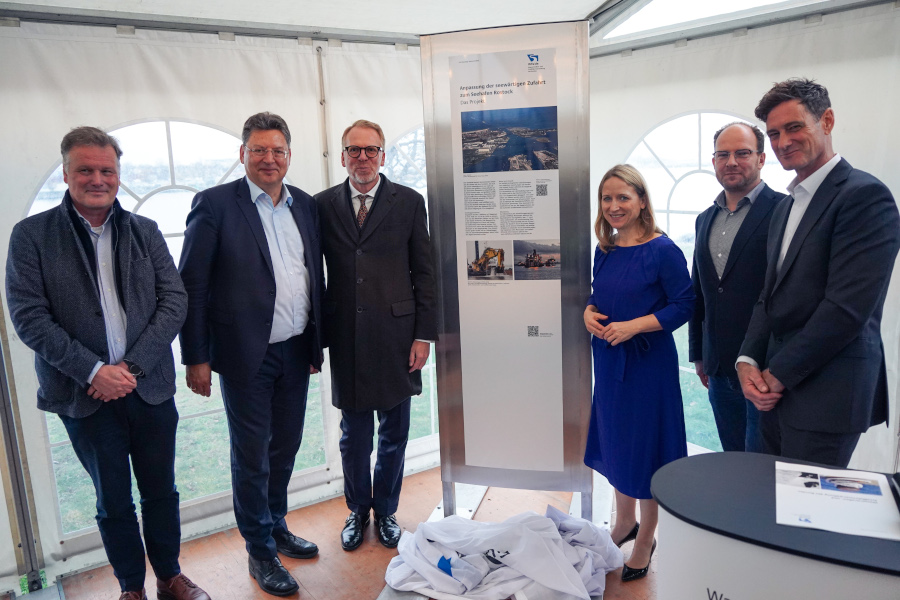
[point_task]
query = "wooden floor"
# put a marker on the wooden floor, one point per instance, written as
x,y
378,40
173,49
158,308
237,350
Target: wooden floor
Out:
x,y
218,563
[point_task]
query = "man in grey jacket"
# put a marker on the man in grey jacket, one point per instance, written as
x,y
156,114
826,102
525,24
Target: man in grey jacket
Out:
x,y
93,290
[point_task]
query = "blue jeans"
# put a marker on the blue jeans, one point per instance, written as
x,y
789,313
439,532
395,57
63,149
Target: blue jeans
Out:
x,y
357,429
123,430
265,421
736,418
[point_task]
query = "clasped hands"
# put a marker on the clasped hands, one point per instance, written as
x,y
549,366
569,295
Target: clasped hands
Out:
x,y
112,382
760,387
615,333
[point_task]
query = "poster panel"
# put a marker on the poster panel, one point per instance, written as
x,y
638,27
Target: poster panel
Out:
x,y
506,116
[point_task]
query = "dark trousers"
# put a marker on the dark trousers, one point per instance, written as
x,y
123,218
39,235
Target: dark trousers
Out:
x,y
357,429
781,439
265,421
737,419
123,431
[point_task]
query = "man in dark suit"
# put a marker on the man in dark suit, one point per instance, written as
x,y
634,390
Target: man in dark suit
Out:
x,y
252,267
728,271
92,289
379,320
813,359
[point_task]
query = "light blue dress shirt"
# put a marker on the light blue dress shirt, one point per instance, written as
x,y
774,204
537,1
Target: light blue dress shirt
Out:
x,y
113,313
292,302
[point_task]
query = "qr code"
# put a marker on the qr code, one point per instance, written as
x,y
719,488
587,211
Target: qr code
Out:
x,y
533,331
541,189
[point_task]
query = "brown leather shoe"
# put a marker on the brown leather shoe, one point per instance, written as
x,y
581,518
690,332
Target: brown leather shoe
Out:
x,y
141,595
179,588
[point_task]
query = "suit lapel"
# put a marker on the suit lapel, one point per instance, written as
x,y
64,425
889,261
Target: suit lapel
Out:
x,y
121,254
779,222
248,208
758,211
339,204
822,199
384,201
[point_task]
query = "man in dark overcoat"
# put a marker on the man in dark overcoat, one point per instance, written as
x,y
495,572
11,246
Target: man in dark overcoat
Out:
x,y
380,318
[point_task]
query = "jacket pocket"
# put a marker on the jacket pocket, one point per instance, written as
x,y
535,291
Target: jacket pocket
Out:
x,y
403,308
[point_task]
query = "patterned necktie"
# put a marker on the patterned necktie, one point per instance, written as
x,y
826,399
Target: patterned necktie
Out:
x,y
363,211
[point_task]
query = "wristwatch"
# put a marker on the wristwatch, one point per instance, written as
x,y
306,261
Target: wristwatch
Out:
x,y
133,368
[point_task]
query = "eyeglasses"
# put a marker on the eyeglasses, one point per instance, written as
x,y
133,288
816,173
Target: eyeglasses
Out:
x,y
277,153
739,155
355,151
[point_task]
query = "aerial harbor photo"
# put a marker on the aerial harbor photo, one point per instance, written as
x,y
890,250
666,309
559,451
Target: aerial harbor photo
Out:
x,y
510,139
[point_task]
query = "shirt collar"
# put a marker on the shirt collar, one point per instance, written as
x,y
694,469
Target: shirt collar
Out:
x,y
256,191
811,184
355,192
87,223
751,196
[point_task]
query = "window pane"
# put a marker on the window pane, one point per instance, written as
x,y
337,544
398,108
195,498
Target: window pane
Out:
x,y
169,208
699,423
659,181
202,155
51,193
145,156
312,450
423,418
202,456
676,144
681,230
695,192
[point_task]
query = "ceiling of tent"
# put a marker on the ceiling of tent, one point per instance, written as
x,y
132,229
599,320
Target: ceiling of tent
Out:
x,y
615,24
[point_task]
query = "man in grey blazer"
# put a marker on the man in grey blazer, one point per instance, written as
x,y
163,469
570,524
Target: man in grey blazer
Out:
x,y
379,319
813,359
92,289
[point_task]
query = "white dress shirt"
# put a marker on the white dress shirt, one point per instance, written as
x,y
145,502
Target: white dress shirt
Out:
x,y
292,301
802,193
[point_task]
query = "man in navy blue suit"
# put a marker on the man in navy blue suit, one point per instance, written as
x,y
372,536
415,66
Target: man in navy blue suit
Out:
x,y
252,268
813,359
729,267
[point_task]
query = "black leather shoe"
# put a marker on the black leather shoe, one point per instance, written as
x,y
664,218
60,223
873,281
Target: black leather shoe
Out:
x,y
352,534
630,536
295,547
272,577
388,531
629,574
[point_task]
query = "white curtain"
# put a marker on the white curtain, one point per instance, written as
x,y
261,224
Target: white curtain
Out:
x,y
855,54
378,83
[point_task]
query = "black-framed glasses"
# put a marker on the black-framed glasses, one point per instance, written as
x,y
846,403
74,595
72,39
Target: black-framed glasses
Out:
x,y
739,155
355,151
277,153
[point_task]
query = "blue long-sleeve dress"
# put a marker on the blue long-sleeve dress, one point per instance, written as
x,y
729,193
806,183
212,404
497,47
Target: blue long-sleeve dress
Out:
x,y
637,420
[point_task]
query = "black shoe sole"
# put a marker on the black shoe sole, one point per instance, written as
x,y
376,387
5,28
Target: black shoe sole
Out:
x,y
300,556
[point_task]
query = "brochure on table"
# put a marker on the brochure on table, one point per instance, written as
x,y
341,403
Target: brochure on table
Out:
x,y
843,501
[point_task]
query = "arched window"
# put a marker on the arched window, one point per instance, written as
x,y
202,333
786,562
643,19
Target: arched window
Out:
x,y
676,160
164,163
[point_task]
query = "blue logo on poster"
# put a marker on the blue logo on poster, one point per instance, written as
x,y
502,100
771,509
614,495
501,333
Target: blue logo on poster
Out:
x,y
532,57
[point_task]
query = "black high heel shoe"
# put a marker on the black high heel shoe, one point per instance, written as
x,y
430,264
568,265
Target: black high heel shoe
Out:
x,y
630,535
629,574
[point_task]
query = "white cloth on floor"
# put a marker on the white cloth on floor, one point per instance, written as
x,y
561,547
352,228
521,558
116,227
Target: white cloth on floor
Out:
x,y
539,558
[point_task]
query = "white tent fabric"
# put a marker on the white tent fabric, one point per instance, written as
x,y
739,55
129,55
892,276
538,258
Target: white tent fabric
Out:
x,y
854,54
55,77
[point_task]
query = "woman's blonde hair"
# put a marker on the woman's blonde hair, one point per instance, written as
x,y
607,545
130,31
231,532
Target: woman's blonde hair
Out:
x,y
647,221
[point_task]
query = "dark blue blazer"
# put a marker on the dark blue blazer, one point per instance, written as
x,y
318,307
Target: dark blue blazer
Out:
x,y
227,272
723,308
817,323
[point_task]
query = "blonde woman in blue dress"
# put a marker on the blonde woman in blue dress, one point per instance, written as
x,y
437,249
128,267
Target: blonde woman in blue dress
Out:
x,y
641,293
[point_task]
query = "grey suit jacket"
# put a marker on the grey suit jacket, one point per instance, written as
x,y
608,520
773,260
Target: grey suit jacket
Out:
x,y
380,295
817,323
55,306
